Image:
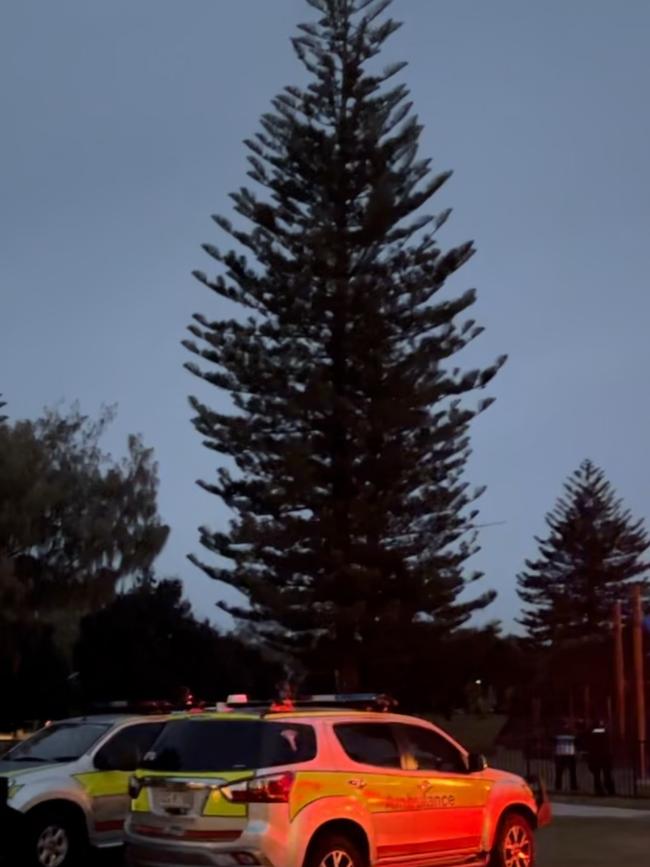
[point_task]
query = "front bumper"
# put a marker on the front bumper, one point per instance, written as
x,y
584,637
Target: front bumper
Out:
x,y
544,809
12,836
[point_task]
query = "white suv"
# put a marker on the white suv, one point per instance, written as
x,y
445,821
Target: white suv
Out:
x,y
67,785
324,788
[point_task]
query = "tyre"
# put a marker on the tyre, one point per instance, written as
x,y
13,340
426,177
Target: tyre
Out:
x,y
515,843
335,850
55,838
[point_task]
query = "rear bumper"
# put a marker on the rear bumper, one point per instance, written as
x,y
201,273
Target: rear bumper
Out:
x,y
262,839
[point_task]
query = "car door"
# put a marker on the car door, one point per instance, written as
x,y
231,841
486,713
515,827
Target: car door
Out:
x,y
450,802
114,762
375,775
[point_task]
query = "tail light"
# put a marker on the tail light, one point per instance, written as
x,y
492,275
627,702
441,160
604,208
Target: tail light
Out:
x,y
269,789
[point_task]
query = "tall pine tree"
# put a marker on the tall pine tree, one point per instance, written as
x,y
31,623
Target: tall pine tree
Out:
x,y
593,551
348,436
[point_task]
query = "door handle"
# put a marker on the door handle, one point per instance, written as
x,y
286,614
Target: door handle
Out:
x,y
357,783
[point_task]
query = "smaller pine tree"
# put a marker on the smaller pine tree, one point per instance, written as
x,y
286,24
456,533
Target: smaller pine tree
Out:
x,y
593,551
2,403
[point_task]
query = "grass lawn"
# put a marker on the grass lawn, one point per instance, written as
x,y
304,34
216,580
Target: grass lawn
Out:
x,y
595,843
475,733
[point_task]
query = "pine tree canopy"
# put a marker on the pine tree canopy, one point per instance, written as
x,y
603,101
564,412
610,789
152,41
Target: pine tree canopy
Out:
x,y
593,551
347,435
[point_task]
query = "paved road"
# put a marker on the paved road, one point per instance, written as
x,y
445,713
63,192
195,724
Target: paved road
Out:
x,y
596,842
590,811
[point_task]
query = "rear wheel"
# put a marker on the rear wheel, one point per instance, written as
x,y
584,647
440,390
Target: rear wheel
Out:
x,y
515,843
55,838
333,850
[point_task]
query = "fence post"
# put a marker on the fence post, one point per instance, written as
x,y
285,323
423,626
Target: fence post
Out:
x,y
639,676
619,672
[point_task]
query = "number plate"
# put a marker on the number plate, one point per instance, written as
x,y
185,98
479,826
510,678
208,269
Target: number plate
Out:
x,y
172,800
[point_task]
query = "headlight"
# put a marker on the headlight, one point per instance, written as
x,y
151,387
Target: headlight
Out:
x,y
14,788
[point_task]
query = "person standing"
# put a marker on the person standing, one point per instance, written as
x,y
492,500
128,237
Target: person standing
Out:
x,y
565,757
599,757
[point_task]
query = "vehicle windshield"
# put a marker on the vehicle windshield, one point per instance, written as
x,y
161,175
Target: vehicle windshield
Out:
x,y
220,745
60,742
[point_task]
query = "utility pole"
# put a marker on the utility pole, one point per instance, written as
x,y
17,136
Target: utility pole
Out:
x,y
639,675
610,714
619,673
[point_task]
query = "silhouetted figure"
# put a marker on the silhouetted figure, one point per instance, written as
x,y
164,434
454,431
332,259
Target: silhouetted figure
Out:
x,y
599,757
286,695
565,757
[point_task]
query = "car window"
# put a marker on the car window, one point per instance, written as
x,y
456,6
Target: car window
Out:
x,y
431,751
140,736
369,743
60,742
228,745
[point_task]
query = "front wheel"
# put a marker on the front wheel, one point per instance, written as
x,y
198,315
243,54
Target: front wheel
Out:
x,y
55,838
334,850
515,843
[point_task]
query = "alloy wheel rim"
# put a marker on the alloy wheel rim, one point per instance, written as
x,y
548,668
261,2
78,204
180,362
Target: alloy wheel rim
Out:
x,y
337,858
517,847
52,846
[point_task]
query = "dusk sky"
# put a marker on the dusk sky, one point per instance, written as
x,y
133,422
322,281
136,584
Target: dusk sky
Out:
x,y
122,124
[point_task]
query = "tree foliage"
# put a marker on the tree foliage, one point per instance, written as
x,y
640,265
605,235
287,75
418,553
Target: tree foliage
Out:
x,y
593,551
33,674
73,521
344,450
158,648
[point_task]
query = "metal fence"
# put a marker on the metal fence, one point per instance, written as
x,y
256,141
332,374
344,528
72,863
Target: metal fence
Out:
x,y
627,780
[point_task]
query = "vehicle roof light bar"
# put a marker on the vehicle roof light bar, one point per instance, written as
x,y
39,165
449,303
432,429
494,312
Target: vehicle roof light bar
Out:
x,y
361,701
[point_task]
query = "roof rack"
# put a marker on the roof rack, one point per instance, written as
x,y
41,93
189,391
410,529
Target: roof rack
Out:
x,y
361,701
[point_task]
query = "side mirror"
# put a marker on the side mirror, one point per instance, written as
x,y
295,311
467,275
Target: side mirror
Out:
x,y
126,758
476,762
4,791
